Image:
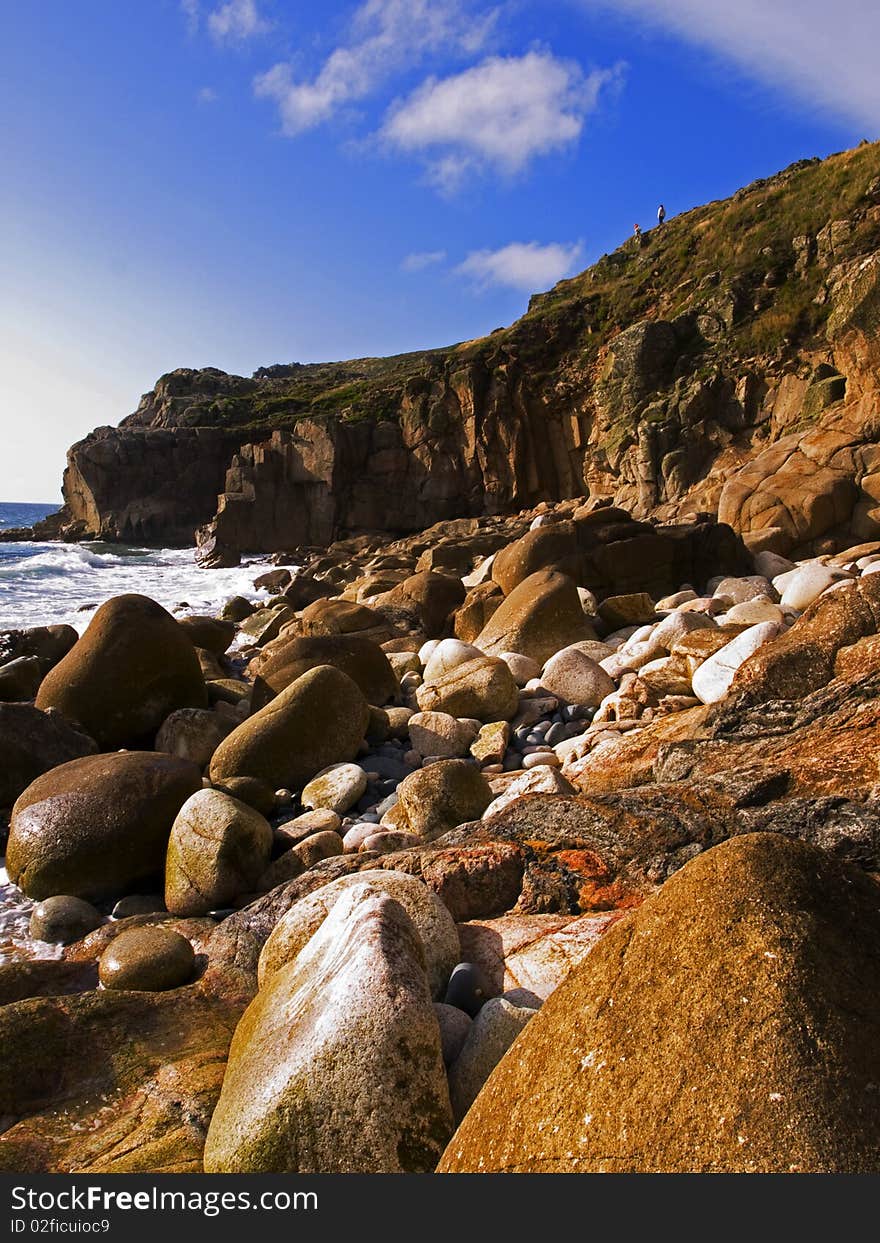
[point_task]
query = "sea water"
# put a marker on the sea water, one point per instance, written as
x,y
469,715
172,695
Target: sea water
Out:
x,y
47,583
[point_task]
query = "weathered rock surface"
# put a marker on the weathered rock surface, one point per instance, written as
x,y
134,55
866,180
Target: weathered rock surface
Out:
x,y
541,615
438,798
769,945
430,918
358,1089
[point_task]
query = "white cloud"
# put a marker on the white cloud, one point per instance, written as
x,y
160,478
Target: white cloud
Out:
x,y
386,36
422,259
237,20
522,265
827,55
501,113
207,95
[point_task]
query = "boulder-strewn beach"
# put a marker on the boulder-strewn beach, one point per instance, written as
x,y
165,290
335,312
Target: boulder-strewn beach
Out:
x,y
538,843
521,811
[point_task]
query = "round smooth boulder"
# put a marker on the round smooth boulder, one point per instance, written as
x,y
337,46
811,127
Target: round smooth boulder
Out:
x,y
577,678
98,826
483,689
491,1034
192,734
432,921
218,849
540,616
439,734
440,797
336,788
212,633
319,720
287,658
147,959
63,919
130,670
20,679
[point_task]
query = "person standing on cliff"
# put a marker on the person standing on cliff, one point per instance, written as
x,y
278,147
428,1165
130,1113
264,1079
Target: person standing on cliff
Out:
x,y
661,214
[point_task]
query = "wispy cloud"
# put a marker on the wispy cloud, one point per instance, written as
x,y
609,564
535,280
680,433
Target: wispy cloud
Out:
x,y
827,55
207,95
499,114
421,259
526,266
190,10
237,20
386,36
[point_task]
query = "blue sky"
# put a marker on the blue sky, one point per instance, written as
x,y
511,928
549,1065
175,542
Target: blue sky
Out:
x,y
241,182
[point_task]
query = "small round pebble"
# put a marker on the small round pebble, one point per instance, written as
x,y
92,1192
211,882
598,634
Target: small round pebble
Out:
x,y
468,988
147,960
63,919
538,758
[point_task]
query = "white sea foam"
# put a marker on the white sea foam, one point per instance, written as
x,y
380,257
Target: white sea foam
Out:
x,y
43,584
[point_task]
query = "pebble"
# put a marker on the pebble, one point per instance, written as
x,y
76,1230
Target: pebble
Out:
x,y
468,988
147,960
538,758
63,919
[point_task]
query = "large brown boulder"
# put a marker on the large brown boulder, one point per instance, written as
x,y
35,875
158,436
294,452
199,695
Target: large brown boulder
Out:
x,y
768,951
430,597
342,617
540,616
336,1065
287,658
479,606
320,719
32,742
133,666
549,546
96,827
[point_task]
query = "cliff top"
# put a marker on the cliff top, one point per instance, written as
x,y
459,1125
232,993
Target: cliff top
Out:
x,y
742,266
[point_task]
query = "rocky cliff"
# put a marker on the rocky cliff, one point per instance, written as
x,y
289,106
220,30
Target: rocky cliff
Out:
x,y
726,363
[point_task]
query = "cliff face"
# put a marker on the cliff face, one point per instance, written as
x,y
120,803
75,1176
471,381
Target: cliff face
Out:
x,y
728,364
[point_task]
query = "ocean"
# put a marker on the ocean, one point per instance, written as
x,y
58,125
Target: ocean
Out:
x,y
45,584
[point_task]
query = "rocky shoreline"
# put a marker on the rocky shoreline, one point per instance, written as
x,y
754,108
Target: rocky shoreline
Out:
x,y
544,842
